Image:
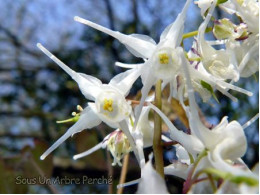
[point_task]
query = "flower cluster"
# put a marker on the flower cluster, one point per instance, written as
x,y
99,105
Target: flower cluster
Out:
x,y
209,159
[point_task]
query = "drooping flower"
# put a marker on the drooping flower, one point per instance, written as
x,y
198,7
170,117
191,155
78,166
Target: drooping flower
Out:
x,y
118,144
219,63
110,105
224,142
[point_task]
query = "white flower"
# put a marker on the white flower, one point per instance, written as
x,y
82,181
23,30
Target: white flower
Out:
x,y
224,142
246,55
117,143
204,5
219,63
248,10
110,105
161,61
151,182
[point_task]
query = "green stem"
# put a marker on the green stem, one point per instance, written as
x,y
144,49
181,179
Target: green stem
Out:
x,y
211,180
157,148
194,33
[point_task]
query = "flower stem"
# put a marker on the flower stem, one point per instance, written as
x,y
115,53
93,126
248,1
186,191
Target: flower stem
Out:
x,y
194,33
123,173
157,148
211,180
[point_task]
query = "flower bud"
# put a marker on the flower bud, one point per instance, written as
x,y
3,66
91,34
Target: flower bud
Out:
x,y
118,145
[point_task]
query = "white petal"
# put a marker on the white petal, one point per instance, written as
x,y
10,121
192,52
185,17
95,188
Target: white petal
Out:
x,y
87,84
147,85
139,45
189,142
93,80
87,120
172,35
251,121
88,152
123,65
203,5
145,127
124,127
182,154
124,81
151,182
249,55
218,162
177,169
237,145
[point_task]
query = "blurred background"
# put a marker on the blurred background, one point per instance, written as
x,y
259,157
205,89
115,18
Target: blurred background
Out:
x,y
35,92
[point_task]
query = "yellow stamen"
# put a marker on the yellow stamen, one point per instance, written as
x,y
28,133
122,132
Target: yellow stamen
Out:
x,y
164,58
108,105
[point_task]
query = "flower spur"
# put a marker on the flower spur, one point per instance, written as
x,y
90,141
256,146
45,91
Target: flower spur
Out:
x,y
110,105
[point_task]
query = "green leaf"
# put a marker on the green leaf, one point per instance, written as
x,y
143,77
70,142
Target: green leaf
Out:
x,y
221,1
209,88
235,179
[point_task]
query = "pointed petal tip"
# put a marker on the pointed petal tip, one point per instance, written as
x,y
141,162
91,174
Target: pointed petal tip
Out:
x,y
75,157
76,18
42,157
39,45
81,20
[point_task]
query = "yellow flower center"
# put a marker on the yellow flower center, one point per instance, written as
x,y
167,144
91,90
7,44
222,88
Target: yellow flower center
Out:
x,y
108,105
240,2
164,58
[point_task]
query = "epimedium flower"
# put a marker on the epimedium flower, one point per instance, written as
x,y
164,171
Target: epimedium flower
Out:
x,y
109,106
219,63
223,145
246,55
161,60
224,142
118,144
248,10
215,151
115,142
238,59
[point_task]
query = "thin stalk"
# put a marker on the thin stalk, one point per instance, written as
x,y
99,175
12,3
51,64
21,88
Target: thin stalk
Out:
x,y
194,33
123,173
110,172
41,173
189,177
157,148
211,180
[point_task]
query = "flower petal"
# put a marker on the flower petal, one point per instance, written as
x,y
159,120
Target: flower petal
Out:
x,y
189,142
88,152
172,35
139,45
87,84
87,120
124,65
124,127
177,169
151,182
124,81
147,85
145,127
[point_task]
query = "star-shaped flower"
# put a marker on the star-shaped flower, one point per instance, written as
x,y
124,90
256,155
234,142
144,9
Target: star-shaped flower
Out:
x,y
109,106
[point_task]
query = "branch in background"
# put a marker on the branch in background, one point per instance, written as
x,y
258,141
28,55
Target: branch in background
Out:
x,y
41,173
17,43
123,173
